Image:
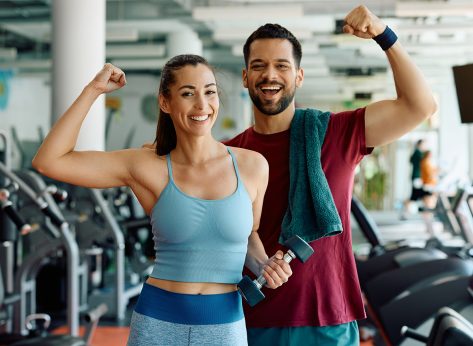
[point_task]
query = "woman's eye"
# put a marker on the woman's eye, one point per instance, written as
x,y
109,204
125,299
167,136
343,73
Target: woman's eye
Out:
x,y
211,92
187,93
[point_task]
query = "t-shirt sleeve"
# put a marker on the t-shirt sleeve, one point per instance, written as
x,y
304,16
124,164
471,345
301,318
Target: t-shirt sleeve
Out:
x,y
347,129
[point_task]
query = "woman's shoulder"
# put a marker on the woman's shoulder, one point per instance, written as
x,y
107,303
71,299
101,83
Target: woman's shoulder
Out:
x,y
250,159
247,154
143,158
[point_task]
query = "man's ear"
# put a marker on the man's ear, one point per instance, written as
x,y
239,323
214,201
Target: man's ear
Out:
x,y
300,77
163,103
244,77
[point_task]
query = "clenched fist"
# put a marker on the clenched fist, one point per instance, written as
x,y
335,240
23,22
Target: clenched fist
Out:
x,y
362,23
108,79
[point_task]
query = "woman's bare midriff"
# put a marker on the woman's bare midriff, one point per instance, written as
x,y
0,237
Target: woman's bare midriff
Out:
x,y
191,287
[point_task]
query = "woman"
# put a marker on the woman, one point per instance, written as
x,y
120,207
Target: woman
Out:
x,y
428,173
204,200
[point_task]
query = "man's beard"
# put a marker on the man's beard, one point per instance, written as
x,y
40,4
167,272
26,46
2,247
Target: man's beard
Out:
x,y
272,108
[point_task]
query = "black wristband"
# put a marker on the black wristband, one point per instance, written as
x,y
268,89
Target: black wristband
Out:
x,y
386,39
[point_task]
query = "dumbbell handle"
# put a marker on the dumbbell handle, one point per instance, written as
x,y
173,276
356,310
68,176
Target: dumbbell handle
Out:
x,y
261,280
411,333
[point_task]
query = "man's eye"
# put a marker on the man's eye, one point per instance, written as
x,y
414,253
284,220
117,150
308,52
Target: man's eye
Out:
x,y
257,67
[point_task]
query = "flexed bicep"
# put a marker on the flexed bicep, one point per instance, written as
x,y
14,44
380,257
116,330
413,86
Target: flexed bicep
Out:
x,y
94,169
57,157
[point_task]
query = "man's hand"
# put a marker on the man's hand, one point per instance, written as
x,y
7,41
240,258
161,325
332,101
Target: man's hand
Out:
x,y
276,271
362,23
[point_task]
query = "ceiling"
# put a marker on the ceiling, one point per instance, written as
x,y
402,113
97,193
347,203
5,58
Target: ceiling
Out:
x,y
438,34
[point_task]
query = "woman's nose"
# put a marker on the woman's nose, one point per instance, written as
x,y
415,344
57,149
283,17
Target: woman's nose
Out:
x,y
199,102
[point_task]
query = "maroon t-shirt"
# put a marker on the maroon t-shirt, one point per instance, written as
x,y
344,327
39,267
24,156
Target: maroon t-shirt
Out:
x,y
324,290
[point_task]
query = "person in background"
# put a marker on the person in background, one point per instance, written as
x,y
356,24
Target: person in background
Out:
x,y
312,157
204,200
417,191
429,176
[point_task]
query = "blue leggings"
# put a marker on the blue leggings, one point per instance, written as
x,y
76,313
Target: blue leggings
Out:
x,y
166,318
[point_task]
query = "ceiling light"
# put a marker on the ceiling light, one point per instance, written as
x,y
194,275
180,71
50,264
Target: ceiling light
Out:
x,y
135,50
140,64
247,12
121,34
433,8
236,36
8,53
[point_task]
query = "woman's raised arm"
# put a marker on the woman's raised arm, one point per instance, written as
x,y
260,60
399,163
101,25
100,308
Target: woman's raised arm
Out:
x,y
56,157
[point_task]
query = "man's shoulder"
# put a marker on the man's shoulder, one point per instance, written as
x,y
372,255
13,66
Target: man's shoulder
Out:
x,y
346,114
238,139
345,120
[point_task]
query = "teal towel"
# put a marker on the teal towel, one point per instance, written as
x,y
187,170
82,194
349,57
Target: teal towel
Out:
x,y
311,212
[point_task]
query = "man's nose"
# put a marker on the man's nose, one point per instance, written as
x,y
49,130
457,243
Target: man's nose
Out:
x,y
270,73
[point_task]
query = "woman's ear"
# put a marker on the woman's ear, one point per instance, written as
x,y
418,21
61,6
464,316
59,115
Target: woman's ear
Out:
x,y
163,103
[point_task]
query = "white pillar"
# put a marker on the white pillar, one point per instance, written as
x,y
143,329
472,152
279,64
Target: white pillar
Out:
x,y
183,42
470,150
78,45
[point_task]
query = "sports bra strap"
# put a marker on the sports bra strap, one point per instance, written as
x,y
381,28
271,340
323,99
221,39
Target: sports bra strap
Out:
x,y
235,166
168,161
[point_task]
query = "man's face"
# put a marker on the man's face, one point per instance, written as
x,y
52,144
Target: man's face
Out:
x,y
272,75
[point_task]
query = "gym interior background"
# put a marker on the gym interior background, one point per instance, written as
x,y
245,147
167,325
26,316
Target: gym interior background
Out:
x,y
49,49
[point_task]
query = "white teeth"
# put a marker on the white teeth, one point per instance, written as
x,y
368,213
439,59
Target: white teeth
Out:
x,y
200,118
271,88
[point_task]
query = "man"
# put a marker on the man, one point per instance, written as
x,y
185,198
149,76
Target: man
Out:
x,y
321,301
416,179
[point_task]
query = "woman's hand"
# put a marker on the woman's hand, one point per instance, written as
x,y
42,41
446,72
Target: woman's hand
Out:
x,y
276,271
108,79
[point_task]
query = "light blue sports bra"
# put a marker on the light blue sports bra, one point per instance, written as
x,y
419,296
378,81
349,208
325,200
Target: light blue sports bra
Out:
x,y
199,240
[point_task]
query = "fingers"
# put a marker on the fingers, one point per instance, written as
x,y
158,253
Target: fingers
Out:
x,y
276,271
114,74
110,73
362,23
108,79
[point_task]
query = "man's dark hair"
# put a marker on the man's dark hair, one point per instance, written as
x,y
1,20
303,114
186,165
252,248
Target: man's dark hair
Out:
x,y
274,31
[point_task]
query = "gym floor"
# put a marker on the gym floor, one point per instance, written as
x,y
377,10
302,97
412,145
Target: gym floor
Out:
x,y
117,336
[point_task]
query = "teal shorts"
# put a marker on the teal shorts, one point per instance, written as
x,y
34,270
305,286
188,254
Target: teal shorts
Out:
x,y
339,335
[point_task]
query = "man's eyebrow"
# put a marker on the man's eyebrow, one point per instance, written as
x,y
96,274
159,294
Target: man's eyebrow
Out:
x,y
255,60
193,87
278,60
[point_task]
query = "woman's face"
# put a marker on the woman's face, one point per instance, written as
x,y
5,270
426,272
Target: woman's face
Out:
x,y
193,102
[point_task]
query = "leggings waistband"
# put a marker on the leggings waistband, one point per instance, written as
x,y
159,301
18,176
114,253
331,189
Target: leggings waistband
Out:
x,y
193,309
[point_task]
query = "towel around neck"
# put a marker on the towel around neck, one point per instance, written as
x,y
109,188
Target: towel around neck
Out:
x,y
311,212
